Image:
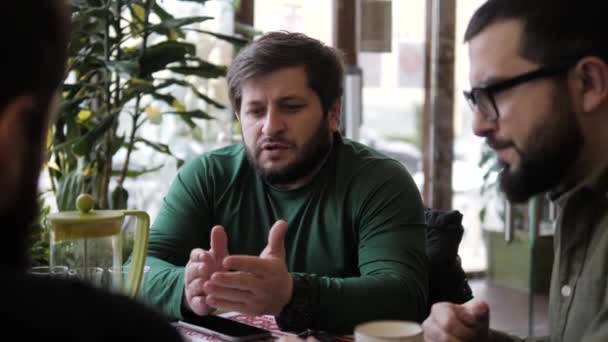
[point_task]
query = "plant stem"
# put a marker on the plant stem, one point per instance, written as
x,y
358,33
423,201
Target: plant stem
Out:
x,y
111,134
104,183
52,180
134,127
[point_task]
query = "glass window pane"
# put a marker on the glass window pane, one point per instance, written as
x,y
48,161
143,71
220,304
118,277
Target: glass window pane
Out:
x,y
312,17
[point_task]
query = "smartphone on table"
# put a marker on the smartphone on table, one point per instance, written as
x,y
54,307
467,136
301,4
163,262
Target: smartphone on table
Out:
x,y
225,329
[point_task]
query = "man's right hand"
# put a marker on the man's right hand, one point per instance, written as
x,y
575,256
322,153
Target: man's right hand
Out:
x,y
200,267
453,322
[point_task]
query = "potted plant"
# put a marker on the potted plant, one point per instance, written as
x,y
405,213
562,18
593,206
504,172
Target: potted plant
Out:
x,y
126,58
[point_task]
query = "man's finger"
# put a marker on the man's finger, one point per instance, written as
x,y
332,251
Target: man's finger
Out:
x,y
201,255
199,305
196,288
227,305
227,293
453,326
247,263
432,333
276,240
477,310
219,242
238,280
196,270
192,271
196,254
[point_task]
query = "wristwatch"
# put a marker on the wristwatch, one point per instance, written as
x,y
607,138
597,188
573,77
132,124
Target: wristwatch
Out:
x,y
297,315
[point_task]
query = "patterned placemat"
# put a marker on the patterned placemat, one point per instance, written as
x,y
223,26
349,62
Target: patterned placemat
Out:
x,y
265,322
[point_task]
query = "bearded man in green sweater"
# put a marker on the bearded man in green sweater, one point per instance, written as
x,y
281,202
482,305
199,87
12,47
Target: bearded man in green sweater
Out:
x,y
297,222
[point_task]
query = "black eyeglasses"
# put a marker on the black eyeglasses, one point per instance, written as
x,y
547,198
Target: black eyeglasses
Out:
x,y
481,98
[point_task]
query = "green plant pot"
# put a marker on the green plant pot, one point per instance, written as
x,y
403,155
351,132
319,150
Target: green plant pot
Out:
x,y
509,262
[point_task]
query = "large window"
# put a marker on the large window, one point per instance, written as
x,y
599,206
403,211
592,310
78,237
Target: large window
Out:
x,y
393,98
312,17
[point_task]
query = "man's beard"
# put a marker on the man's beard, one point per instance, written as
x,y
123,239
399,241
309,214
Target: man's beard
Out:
x,y
17,218
308,158
553,148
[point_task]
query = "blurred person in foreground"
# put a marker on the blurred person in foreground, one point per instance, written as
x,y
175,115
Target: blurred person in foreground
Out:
x,y
35,49
540,98
296,221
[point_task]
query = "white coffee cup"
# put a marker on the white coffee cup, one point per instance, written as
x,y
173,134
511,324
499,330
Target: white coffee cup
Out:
x,y
388,331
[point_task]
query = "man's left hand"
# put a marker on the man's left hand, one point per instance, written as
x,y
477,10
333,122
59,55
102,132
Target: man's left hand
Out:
x,y
256,285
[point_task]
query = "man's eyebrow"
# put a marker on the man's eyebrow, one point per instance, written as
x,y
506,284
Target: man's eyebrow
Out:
x,y
491,81
292,97
253,103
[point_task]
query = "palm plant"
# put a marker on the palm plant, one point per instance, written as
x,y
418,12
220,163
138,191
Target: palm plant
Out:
x,y
125,55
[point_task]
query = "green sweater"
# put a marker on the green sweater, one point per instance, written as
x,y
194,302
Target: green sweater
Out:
x,y
357,231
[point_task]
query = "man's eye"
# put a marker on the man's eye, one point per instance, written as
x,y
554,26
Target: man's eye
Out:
x,y
293,107
255,111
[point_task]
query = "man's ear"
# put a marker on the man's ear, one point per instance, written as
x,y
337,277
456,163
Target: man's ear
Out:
x,y
591,77
14,117
334,115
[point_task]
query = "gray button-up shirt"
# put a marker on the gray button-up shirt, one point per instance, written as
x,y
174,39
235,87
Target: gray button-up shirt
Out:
x,y
578,301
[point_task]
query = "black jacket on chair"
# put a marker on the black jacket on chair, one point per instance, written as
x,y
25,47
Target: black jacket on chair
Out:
x,y
447,280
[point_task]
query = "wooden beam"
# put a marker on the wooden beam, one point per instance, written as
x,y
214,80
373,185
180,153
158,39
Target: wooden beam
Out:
x,y
244,13
346,29
442,103
426,113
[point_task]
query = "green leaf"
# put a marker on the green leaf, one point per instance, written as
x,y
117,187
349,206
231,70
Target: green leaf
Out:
x,y
116,144
164,15
163,148
202,2
161,13
168,99
198,114
204,70
134,87
119,198
482,215
246,30
91,27
97,12
123,67
172,24
72,130
188,121
84,145
138,14
70,105
137,173
61,146
238,41
194,89
158,56
69,188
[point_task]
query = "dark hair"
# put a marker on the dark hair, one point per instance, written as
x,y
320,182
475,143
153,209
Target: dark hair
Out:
x,y
555,32
276,50
34,40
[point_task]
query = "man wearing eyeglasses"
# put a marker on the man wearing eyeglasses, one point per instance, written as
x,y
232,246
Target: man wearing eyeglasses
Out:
x,y
540,98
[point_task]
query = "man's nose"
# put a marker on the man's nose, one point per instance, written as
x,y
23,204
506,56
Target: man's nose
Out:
x,y
273,122
482,126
